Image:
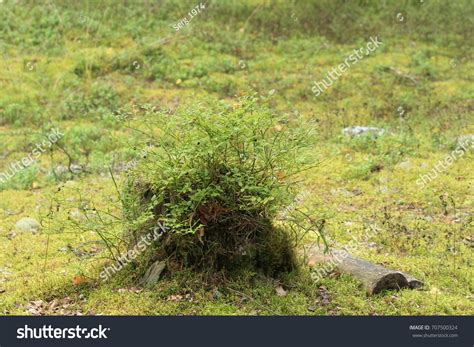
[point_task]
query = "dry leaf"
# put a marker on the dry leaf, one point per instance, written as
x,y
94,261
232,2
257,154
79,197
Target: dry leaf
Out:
x,y
62,307
175,298
78,280
324,297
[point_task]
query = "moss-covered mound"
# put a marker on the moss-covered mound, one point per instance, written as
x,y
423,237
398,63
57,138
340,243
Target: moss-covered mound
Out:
x,y
216,180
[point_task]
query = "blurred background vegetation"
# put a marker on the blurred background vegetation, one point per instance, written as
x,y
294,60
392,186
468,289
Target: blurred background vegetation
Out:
x,y
92,69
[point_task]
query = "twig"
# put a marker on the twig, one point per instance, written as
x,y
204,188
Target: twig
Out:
x,y
252,299
402,75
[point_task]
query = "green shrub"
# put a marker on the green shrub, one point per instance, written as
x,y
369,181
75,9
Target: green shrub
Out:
x,y
97,102
22,179
20,112
82,141
217,180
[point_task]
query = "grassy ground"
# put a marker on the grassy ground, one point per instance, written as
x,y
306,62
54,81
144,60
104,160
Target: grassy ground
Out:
x,y
85,70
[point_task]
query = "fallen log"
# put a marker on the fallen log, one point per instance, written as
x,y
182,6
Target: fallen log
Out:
x,y
375,278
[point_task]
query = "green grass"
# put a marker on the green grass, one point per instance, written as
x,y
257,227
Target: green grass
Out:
x,y
85,75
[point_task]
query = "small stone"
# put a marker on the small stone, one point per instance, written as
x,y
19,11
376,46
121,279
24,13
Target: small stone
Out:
x,y
62,169
153,273
28,224
405,165
362,130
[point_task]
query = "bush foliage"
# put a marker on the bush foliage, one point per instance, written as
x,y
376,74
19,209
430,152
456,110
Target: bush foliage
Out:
x,y
217,180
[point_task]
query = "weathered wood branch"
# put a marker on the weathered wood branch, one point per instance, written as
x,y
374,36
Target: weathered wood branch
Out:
x,y
375,278
403,76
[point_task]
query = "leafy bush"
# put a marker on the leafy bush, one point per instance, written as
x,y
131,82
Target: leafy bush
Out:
x,y
20,112
98,102
22,179
217,180
85,143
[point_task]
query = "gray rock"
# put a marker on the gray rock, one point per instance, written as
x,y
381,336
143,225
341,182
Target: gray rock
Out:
x,y
28,224
153,273
62,169
405,165
362,130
